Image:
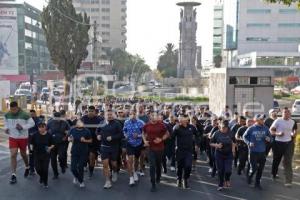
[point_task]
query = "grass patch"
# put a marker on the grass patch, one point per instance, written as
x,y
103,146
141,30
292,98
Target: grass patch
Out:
x,y
179,98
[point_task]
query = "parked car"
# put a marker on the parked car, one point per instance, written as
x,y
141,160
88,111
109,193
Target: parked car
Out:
x,y
296,107
281,90
296,90
24,92
56,95
45,94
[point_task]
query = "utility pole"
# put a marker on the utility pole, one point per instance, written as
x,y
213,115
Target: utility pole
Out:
x,y
95,53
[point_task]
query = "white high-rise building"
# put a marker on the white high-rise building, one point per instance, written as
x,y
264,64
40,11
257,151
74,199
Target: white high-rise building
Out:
x,y
110,16
266,27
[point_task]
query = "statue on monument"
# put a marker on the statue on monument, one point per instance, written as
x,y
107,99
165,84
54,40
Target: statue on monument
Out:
x,y
181,13
195,13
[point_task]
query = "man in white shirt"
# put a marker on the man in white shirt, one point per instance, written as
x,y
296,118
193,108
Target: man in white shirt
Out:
x,y
284,129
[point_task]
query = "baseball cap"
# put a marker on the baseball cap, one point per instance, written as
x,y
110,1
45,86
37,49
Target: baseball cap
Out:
x,y
259,116
272,111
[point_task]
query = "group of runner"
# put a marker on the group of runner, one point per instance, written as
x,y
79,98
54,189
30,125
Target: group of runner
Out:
x,y
160,136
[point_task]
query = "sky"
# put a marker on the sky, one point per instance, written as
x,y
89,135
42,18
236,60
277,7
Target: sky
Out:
x,y
151,24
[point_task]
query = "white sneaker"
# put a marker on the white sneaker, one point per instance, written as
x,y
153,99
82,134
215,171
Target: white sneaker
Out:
x,y
114,177
107,184
82,185
142,173
210,170
135,177
131,181
75,181
173,169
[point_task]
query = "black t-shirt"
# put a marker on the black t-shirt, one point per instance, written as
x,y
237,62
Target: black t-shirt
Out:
x,y
92,124
40,144
225,139
184,137
268,122
78,147
111,129
240,133
234,130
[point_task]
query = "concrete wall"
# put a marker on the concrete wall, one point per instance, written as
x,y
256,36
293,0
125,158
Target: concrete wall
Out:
x,y
221,93
217,90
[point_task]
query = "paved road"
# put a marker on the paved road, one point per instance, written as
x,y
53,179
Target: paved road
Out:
x,y
203,187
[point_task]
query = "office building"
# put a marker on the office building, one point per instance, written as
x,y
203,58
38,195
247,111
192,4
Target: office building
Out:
x,y
23,48
110,17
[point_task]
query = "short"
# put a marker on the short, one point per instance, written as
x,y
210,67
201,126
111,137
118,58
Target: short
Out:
x,y
134,151
18,143
94,148
109,153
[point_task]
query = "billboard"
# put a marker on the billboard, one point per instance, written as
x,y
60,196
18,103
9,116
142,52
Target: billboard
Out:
x,y
8,41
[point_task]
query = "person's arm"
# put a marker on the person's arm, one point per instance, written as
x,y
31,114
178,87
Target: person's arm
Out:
x,y
295,128
29,124
144,135
6,126
246,136
87,138
238,135
125,129
274,129
213,142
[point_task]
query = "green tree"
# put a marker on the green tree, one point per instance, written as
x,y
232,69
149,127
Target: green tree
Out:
x,y
67,37
167,62
218,61
126,65
286,2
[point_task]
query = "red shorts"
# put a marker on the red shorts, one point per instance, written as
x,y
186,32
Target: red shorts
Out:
x,y
18,144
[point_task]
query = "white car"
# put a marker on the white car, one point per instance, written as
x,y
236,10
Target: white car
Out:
x,y
296,106
295,90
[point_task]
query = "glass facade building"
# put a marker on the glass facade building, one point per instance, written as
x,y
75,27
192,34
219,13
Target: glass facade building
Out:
x,y
33,55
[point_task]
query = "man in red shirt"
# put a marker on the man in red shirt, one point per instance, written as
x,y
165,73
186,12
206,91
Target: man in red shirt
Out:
x,y
154,134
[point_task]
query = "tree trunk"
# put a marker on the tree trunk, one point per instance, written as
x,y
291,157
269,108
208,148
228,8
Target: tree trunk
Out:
x,y
66,100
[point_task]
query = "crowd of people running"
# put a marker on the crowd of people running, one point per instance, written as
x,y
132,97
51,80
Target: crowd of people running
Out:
x,y
134,135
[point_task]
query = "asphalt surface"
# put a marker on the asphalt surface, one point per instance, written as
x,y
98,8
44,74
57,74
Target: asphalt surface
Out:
x,y
202,186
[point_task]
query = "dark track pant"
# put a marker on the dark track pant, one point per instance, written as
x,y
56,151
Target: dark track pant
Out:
x,y
285,150
41,167
184,164
224,167
77,166
243,157
59,151
155,160
169,153
257,164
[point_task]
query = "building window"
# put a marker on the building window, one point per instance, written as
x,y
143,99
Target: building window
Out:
x,y
105,33
105,2
123,17
94,1
29,33
258,25
105,25
106,18
257,39
289,25
27,19
265,81
123,10
289,39
253,80
28,45
288,11
105,9
123,2
95,10
258,11
105,41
